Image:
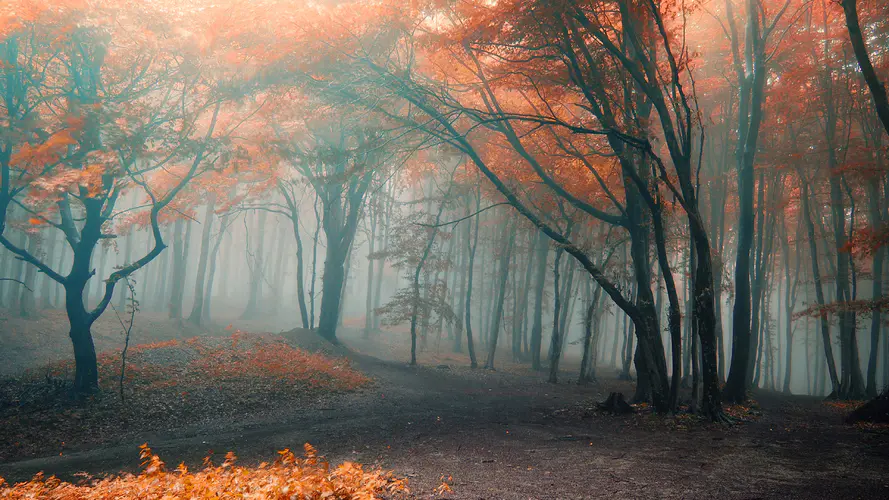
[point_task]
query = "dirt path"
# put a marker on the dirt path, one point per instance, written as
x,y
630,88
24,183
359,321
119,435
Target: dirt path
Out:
x,y
501,435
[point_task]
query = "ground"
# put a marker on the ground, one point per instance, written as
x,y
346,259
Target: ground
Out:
x,y
508,434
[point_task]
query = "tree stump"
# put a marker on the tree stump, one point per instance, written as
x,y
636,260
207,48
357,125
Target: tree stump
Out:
x,y
874,411
616,403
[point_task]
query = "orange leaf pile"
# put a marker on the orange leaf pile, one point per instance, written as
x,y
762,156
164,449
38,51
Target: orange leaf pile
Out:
x,y
308,478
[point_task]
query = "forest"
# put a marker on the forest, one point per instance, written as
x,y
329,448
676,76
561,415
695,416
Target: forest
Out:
x,y
467,248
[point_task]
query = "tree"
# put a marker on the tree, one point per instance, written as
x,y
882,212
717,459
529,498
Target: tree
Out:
x,y
84,125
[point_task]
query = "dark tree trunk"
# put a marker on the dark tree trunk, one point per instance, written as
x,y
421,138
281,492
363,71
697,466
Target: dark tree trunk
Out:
x,y
368,297
541,249
789,303
520,311
876,293
384,245
628,349
86,371
415,284
300,280
128,251
568,313
590,344
819,291
332,283
555,345
177,285
751,84
341,209
257,268
161,290
197,307
507,242
314,266
47,284
14,291
27,302
877,90
464,272
473,244
211,272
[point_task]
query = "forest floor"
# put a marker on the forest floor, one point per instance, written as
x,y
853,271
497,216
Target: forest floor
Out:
x,y
503,434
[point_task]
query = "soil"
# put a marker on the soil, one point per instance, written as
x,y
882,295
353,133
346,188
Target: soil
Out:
x,y
508,434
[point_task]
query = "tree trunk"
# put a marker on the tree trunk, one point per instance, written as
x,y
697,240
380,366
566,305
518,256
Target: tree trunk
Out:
x,y
315,267
464,263
789,303
47,284
197,307
590,344
878,91
332,283
628,349
541,249
876,292
256,269
555,346
520,311
300,279
211,272
369,300
416,281
128,251
507,242
473,244
86,371
751,84
177,285
27,302
819,291
161,290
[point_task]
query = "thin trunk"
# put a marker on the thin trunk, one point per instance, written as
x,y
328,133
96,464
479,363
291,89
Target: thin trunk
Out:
x,y
257,267
819,291
876,292
27,302
211,272
590,344
541,250
473,244
433,231
555,346
315,266
197,307
507,242
464,262
47,283
368,297
128,250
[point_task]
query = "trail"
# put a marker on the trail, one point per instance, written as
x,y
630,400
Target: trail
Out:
x,y
501,435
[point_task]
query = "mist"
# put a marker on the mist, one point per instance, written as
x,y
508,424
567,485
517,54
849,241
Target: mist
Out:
x,y
491,249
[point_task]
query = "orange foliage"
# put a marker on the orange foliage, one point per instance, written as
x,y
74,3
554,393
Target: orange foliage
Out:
x,y
288,477
253,356
241,358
